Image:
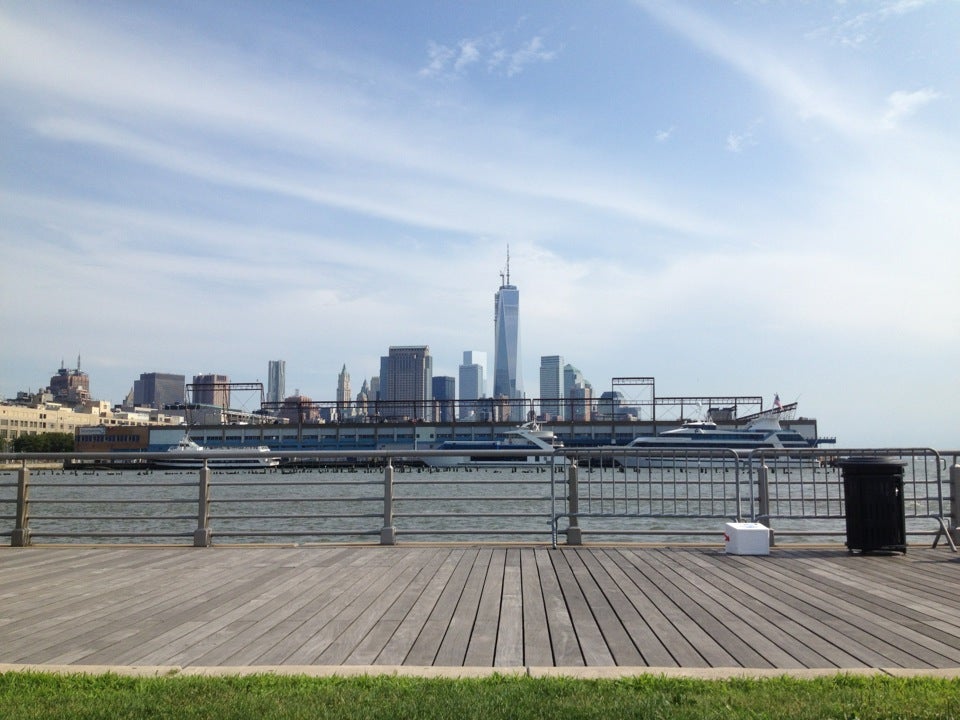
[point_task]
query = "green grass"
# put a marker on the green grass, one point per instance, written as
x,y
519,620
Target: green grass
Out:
x,y
26,695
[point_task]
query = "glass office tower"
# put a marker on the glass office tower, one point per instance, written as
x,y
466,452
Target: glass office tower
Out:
x,y
507,380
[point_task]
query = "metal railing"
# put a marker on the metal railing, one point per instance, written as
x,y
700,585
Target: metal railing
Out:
x,y
610,493
797,493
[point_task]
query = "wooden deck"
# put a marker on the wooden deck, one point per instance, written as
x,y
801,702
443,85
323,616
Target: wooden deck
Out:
x,y
478,605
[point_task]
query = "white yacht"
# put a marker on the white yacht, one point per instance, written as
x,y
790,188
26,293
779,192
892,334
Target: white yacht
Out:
x,y
763,432
184,455
527,437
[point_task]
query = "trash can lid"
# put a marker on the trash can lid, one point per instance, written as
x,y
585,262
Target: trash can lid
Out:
x,y
870,461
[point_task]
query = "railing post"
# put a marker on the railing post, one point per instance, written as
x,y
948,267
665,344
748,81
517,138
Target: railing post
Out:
x,y
388,533
21,532
202,535
955,503
574,535
763,499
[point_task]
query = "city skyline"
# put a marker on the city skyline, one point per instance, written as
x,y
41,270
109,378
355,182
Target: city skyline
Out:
x,y
738,198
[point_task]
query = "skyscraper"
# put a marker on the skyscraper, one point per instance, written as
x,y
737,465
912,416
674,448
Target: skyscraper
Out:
x,y
406,382
70,387
507,379
444,397
551,387
158,389
578,393
211,389
344,406
276,381
473,375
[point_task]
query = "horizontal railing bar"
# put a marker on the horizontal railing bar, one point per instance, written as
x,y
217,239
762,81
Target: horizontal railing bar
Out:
x,y
110,501
47,533
130,518
246,501
473,498
323,483
502,531
292,533
317,516
468,515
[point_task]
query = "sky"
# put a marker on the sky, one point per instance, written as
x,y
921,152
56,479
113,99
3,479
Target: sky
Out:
x,y
735,198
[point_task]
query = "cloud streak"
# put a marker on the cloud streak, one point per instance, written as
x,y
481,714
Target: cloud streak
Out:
x,y
903,104
489,51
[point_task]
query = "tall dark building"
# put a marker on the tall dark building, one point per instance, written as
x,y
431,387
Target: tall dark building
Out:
x,y
406,385
70,387
211,389
444,397
158,389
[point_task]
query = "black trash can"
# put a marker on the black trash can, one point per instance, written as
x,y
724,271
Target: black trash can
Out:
x,y
873,497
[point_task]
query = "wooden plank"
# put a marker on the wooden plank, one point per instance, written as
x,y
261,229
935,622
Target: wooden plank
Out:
x,y
427,645
97,608
878,587
671,604
536,631
725,628
376,640
868,600
320,630
589,636
510,633
727,604
563,636
890,619
348,639
482,647
456,638
271,626
326,592
586,569
858,631
414,617
637,622
809,640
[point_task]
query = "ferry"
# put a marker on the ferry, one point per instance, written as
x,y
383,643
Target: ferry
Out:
x,y
703,442
183,456
527,437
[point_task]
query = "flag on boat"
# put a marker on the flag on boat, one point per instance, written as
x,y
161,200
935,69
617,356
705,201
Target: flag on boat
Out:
x,y
776,401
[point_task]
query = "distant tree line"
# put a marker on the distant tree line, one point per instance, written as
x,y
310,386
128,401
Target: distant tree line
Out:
x,y
46,442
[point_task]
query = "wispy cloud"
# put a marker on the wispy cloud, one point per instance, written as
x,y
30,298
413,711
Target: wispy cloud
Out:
x,y
489,51
862,27
902,104
663,136
737,142
810,97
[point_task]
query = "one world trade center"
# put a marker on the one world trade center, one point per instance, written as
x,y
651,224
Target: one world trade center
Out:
x,y
507,380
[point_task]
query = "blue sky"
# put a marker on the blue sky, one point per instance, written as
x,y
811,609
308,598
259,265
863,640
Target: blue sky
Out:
x,y
741,198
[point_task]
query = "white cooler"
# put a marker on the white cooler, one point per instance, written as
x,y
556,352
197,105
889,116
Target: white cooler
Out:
x,y
747,539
